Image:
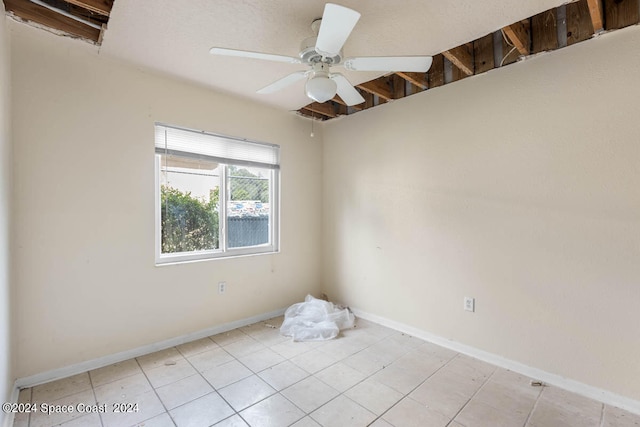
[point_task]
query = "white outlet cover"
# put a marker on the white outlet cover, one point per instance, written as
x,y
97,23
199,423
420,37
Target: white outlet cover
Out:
x,y
469,304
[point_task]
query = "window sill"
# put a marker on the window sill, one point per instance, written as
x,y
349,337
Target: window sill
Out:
x,y
218,256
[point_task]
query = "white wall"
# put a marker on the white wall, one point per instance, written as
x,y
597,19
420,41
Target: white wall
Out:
x,y
6,373
84,202
519,187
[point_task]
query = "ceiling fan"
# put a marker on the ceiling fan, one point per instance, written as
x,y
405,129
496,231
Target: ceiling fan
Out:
x,y
324,51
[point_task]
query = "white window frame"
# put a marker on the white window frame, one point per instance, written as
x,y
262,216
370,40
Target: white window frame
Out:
x,y
223,251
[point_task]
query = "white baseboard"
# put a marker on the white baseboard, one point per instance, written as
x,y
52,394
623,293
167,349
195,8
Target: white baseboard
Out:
x,y
591,392
100,362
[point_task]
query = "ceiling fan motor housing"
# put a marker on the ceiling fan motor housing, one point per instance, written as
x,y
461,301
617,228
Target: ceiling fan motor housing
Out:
x,y
308,53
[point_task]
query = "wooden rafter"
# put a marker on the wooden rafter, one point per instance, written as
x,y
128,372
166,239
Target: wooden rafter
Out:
x,y
339,100
341,110
579,24
435,74
326,109
544,31
483,55
399,86
620,13
101,7
312,114
461,58
418,79
517,34
378,87
595,11
368,99
456,73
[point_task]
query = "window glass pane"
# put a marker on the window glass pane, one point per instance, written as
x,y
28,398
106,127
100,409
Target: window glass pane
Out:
x,y
249,206
189,204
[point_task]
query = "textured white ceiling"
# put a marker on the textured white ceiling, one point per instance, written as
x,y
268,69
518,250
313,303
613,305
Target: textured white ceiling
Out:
x,y
174,37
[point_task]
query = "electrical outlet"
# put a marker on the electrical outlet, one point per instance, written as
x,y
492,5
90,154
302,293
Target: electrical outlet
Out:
x,y
222,287
469,304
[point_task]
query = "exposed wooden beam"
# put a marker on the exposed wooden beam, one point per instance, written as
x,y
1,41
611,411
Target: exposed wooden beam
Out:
x,y
339,100
36,13
341,109
579,22
399,87
326,108
595,11
461,58
418,79
101,7
620,13
544,31
312,114
379,86
483,54
518,35
413,89
436,72
368,99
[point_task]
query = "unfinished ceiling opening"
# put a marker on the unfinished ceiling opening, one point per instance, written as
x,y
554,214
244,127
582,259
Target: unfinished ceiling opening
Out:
x,y
550,30
147,32
86,19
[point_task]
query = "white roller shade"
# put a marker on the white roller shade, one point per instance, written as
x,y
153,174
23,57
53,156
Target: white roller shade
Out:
x,y
222,149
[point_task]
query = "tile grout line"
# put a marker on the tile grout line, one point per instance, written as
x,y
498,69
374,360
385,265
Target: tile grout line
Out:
x,y
69,394
535,405
236,412
93,390
215,390
279,392
155,392
472,396
306,414
117,379
340,393
415,388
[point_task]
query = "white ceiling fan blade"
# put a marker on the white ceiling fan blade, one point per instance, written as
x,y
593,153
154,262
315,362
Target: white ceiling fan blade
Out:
x,y
337,24
346,91
389,63
283,82
255,55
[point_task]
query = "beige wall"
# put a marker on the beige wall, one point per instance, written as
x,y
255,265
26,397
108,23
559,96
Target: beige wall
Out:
x,y
6,373
84,202
519,187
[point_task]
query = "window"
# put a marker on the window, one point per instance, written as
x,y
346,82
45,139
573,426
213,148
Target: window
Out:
x,y
216,196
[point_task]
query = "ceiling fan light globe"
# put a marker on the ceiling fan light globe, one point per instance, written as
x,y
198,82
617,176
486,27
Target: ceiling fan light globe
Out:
x,y
321,88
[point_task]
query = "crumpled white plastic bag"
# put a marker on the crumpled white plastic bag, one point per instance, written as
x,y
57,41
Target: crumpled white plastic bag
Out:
x,y
315,320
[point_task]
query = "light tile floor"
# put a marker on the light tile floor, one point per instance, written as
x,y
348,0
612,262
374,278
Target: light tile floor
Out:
x,y
370,375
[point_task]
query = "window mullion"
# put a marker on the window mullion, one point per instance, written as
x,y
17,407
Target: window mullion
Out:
x,y
223,190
